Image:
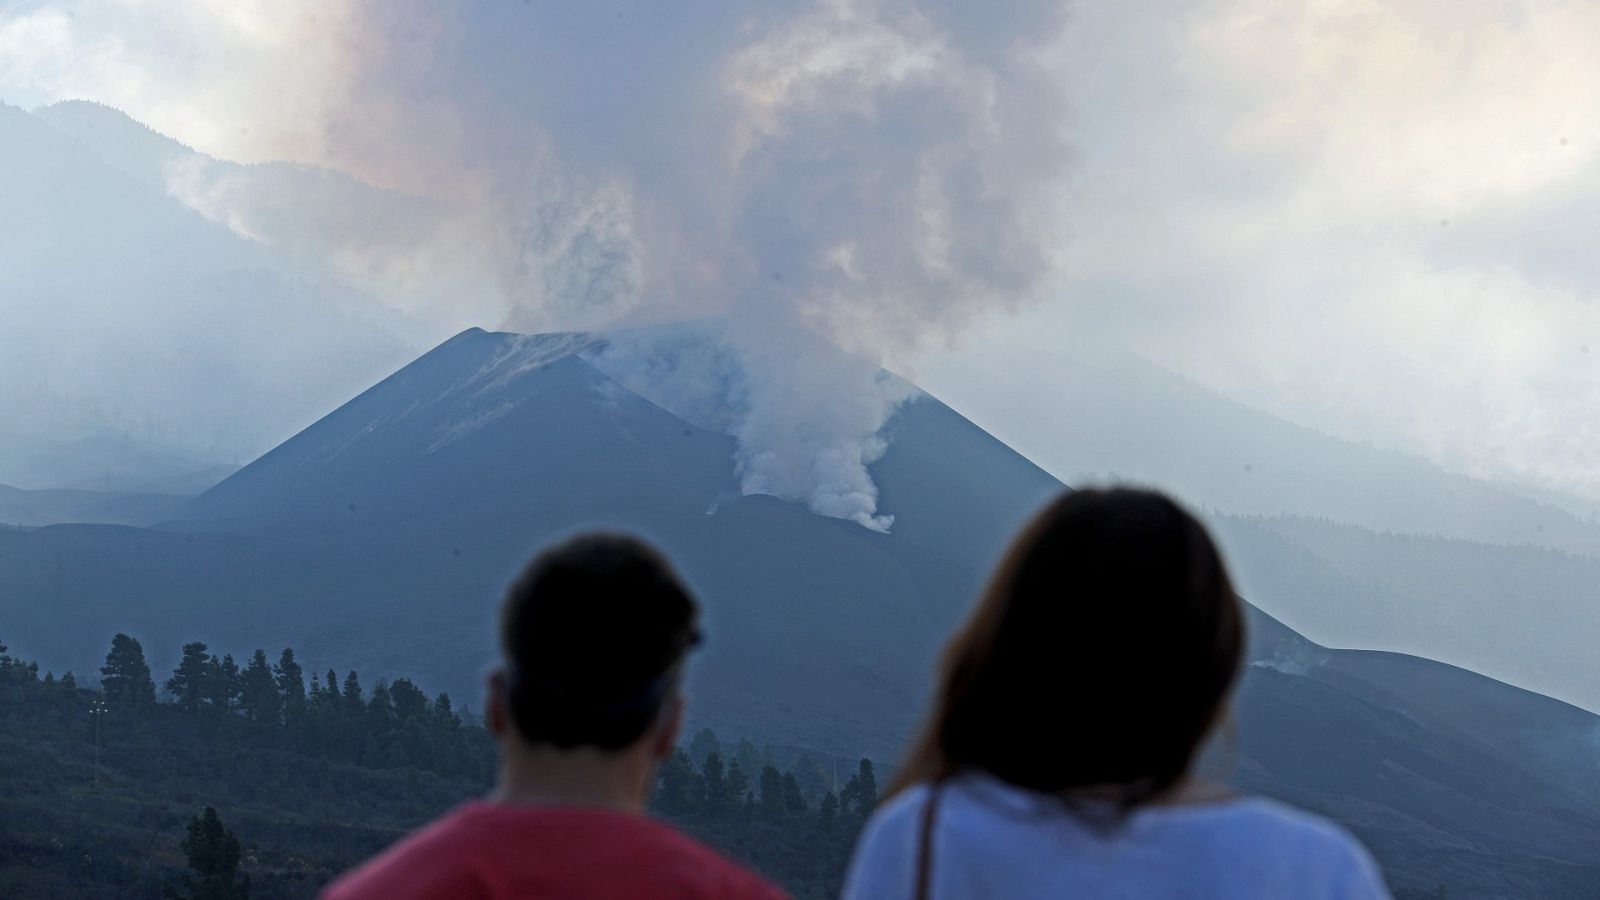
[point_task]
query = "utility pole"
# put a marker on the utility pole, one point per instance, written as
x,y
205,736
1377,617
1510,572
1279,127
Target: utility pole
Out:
x,y
97,709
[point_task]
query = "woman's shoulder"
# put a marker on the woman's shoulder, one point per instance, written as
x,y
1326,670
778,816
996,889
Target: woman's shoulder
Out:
x,y
903,808
958,796
1263,825
1242,820
1262,840
883,864
1263,815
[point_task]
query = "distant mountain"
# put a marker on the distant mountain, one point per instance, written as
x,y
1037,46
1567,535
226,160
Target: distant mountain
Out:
x,y
54,507
1524,614
297,214
62,198
118,139
1448,776
128,312
381,536
116,464
1114,414
1435,805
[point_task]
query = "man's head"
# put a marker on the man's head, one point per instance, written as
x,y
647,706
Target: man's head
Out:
x,y
593,634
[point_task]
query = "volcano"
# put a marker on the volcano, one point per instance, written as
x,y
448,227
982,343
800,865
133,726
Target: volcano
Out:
x,y
446,474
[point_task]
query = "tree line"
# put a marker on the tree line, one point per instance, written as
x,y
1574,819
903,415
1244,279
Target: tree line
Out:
x,y
787,813
717,788
394,726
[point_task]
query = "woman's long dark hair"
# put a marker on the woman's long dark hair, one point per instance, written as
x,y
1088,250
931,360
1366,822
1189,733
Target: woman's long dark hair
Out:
x,y
1098,659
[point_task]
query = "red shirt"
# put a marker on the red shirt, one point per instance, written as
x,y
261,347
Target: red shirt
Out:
x,y
502,852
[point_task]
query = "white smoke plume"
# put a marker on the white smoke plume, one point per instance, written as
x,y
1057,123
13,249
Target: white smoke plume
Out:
x,y
807,415
840,182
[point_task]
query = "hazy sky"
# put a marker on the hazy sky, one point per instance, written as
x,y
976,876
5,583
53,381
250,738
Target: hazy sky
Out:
x,y
1373,218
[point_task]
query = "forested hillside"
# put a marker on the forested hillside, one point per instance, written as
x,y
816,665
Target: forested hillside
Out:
x,y
104,792
99,790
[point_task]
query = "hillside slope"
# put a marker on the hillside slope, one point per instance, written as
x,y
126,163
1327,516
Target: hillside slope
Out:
x,y
1524,614
1115,414
98,265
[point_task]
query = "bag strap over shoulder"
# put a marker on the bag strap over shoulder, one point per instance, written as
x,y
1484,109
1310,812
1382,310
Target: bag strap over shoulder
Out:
x,y
930,811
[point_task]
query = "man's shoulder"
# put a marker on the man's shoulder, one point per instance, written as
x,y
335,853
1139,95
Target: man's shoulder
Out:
x,y
480,845
437,860
698,866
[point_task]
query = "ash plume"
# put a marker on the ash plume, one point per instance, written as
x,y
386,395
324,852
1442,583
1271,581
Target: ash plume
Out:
x,y
840,182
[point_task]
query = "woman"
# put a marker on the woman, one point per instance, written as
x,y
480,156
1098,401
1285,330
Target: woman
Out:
x,y
1059,757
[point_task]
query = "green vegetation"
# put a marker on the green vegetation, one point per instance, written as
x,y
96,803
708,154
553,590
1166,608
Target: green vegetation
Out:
x,y
247,781
214,855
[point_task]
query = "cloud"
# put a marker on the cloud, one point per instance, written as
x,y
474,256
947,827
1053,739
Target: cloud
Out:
x,y
247,80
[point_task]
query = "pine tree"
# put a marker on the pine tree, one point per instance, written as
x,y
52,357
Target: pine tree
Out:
x,y
8,672
678,794
378,727
445,720
258,695
354,703
224,683
413,743
445,728
11,668
214,854
794,802
189,681
291,688
16,673
351,718
747,757
867,795
860,793
829,810
125,678
410,703
703,744
813,777
313,735
738,788
772,806
714,782
327,720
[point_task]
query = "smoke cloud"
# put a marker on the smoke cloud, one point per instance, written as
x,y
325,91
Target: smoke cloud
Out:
x,y
837,183
840,183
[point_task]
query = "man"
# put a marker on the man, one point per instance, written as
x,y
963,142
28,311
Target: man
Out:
x,y
585,707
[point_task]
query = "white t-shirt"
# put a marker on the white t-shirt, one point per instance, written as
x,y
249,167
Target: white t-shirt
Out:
x,y
994,840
